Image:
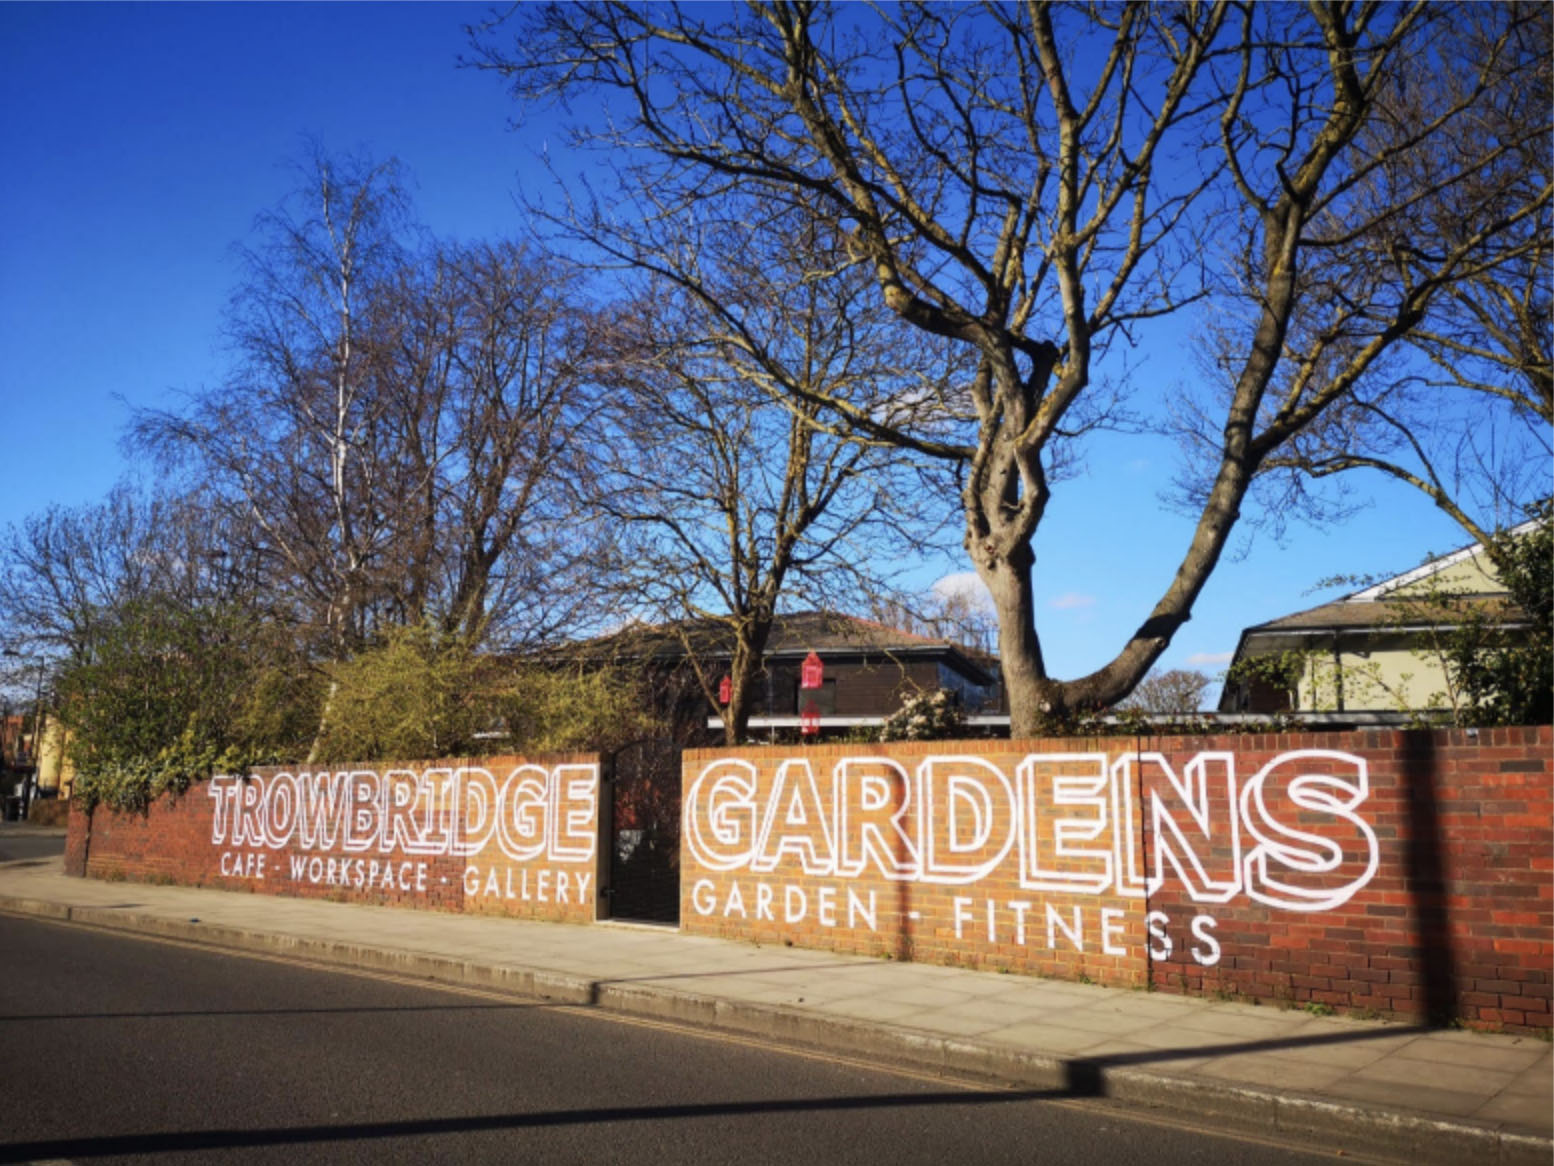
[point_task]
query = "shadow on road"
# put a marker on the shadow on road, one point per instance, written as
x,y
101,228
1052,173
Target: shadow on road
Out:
x,y
167,1142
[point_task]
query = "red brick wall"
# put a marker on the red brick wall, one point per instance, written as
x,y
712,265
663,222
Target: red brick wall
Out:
x,y
48,811
1405,874
973,911
504,835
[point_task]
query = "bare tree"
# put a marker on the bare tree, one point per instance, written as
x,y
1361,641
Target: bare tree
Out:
x,y
1035,183
1464,412
951,610
115,607
1177,691
396,438
486,350
293,441
66,570
730,496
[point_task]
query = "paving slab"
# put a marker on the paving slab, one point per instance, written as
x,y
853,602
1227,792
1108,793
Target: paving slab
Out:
x,y
1260,1069
1440,1100
997,1012
1519,1110
1389,1090
1472,1053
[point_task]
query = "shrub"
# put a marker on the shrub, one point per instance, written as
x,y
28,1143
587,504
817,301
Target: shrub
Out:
x,y
418,695
925,716
163,698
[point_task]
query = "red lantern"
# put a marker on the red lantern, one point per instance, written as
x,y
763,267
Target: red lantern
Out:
x,y
725,690
809,719
813,672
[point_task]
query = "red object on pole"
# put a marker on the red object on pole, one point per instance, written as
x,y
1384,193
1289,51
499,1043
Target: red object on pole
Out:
x,y
725,690
814,672
809,719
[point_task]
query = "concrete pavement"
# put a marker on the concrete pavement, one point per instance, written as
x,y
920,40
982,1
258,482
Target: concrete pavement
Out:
x,y
1359,1087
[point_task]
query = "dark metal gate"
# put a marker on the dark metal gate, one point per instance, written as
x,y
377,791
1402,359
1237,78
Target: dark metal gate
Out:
x,y
644,832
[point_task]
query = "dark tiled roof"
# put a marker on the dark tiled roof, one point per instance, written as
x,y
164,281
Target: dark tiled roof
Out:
x,y
818,631
794,635
1385,613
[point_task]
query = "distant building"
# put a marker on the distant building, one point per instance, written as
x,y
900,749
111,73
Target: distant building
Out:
x,y
16,741
21,756
56,771
1376,651
867,670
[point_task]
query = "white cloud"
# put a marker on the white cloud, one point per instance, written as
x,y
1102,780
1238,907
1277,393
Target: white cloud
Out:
x,y
1209,659
967,585
1071,600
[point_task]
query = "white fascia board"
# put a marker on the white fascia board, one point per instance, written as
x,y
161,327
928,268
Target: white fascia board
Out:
x,y
975,720
1434,566
793,722
1361,629
1207,718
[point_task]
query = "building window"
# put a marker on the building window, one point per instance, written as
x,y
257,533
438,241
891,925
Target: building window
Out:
x,y
824,698
973,697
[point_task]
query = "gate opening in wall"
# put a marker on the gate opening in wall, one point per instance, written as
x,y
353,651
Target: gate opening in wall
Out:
x,y
643,837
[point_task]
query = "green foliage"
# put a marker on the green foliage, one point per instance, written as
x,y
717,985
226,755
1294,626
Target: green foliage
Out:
x,y
165,696
419,695
925,716
279,715
171,695
132,785
1508,679
574,709
1279,671
414,695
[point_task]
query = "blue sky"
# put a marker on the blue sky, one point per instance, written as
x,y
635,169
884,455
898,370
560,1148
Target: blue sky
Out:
x,y
139,142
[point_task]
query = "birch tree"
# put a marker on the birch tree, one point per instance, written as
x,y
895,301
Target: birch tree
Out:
x,y
395,438
292,442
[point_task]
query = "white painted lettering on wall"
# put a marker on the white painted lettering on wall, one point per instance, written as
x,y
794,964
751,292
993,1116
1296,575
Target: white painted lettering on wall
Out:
x,y
1289,836
1021,922
353,820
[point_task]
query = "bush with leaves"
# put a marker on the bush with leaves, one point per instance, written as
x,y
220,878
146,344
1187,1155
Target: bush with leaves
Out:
x,y
416,694
1508,679
419,695
925,716
167,694
565,710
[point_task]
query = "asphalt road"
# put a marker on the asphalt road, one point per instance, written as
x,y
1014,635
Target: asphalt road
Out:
x,y
19,841
128,1049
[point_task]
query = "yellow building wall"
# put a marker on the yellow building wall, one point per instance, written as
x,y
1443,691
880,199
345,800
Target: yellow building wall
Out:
x,y
1474,575
1390,670
55,771
1384,679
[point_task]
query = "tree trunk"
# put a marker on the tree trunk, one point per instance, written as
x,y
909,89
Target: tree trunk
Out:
x,y
746,664
736,716
323,722
1026,687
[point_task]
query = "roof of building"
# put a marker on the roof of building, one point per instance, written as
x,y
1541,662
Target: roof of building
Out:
x,y
794,635
1399,604
1391,612
1473,551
